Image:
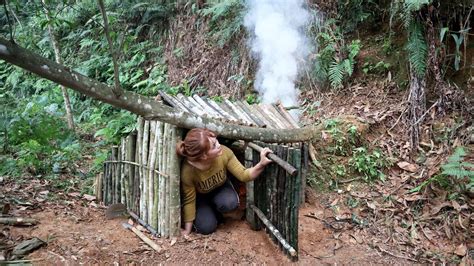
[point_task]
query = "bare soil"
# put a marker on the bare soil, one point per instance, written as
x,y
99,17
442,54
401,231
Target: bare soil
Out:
x,y
77,232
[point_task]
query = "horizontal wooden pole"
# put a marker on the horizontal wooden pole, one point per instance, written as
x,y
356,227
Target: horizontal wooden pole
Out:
x,y
139,165
274,231
284,164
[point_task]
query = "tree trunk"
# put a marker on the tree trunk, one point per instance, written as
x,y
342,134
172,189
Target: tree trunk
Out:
x,y
417,102
57,55
144,106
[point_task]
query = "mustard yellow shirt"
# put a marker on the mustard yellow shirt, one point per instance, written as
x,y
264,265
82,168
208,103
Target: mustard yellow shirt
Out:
x,y
193,179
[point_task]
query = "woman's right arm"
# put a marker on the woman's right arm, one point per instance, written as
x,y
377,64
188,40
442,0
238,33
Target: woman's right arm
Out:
x,y
189,203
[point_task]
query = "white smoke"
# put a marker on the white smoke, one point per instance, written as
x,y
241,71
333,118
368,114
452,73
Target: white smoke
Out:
x,y
280,45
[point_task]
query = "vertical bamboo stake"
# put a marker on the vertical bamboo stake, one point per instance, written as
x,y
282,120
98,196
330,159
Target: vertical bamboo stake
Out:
x,y
250,189
174,185
304,170
296,199
167,181
115,179
162,199
139,157
158,177
100,187
104,182
122,171
146,135
130,156
151,170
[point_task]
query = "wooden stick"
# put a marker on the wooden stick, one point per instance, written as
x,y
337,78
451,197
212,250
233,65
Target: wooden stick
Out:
x,y
136,164
274,231
143,237
115,176
143,223
285,165
18,221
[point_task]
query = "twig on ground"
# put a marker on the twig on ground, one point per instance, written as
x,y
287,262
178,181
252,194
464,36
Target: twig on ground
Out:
x,y
348,181
395,255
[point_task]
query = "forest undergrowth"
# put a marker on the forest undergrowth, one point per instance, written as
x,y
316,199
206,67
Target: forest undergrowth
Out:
x,y
391,173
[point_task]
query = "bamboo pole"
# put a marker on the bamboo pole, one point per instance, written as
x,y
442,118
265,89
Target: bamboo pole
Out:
x,y
139,157
279,116
238,112
287,116
209,110
104,184
304,171
159,178
271,116
130,156
162,199
115,176
250,195
146,139
156,179
190,105
166,221
98,186
122,172
288,167
264,116
174,102
296,199
174,185
151,173
271,229
246,107
216,106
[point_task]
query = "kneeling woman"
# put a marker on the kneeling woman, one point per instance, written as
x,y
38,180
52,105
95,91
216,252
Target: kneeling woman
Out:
x,y
207,192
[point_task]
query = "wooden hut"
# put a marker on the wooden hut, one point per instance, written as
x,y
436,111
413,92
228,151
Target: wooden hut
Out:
x,y
144,171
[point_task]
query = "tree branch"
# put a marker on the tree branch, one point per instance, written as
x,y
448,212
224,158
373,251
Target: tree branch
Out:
x,y
141,105
117,90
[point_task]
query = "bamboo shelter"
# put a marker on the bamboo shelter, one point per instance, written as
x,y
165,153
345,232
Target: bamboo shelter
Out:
x,y
143,172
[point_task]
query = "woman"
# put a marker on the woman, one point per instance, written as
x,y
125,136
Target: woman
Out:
x,y
207,192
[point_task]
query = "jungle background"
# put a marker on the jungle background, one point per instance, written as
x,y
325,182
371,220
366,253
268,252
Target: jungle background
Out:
x,y
391,81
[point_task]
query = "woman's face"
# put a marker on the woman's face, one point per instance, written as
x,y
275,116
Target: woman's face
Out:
x,y
215,150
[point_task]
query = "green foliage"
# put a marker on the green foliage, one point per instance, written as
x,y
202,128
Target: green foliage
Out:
x,y
456,174
226,18
342,140
367,164
379,68
335,60
417,48
252,98
40,142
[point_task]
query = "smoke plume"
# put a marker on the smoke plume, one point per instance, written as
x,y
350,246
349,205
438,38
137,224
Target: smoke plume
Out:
x,y
280,46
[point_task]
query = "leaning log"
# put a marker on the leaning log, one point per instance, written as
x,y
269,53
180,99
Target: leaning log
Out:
x,y
142,105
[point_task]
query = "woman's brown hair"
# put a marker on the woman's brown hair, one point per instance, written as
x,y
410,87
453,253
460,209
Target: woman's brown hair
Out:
x,y
195,144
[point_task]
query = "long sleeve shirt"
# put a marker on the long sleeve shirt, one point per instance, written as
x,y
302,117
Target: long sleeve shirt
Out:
x,y
204,181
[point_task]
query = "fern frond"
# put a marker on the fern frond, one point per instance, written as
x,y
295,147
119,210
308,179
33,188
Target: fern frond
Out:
x,y
417,49
458,155
336,74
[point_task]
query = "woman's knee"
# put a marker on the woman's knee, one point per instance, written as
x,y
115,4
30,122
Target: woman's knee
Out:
x,y
227,204
206,227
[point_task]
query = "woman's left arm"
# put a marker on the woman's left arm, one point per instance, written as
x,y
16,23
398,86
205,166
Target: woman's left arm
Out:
x,y
245,175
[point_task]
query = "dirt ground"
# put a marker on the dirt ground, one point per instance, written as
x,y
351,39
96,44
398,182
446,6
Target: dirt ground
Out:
x,y
77,232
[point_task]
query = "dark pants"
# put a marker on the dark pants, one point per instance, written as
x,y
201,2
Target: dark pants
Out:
x,y
210,206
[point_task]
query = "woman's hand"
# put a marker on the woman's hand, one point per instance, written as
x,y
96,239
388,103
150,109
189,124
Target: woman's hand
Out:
x,y
263,156
187,230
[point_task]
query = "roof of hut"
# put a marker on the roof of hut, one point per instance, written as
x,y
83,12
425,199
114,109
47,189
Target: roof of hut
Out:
x,y
238,112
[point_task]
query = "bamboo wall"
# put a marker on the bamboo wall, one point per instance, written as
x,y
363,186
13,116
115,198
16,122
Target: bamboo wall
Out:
x,y
273,199
144,174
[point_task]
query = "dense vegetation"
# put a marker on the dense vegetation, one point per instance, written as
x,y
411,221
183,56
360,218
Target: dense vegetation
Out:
x,y
423,48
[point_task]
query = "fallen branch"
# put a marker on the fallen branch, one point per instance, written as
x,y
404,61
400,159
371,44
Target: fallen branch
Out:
x,y
395,255
18,221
